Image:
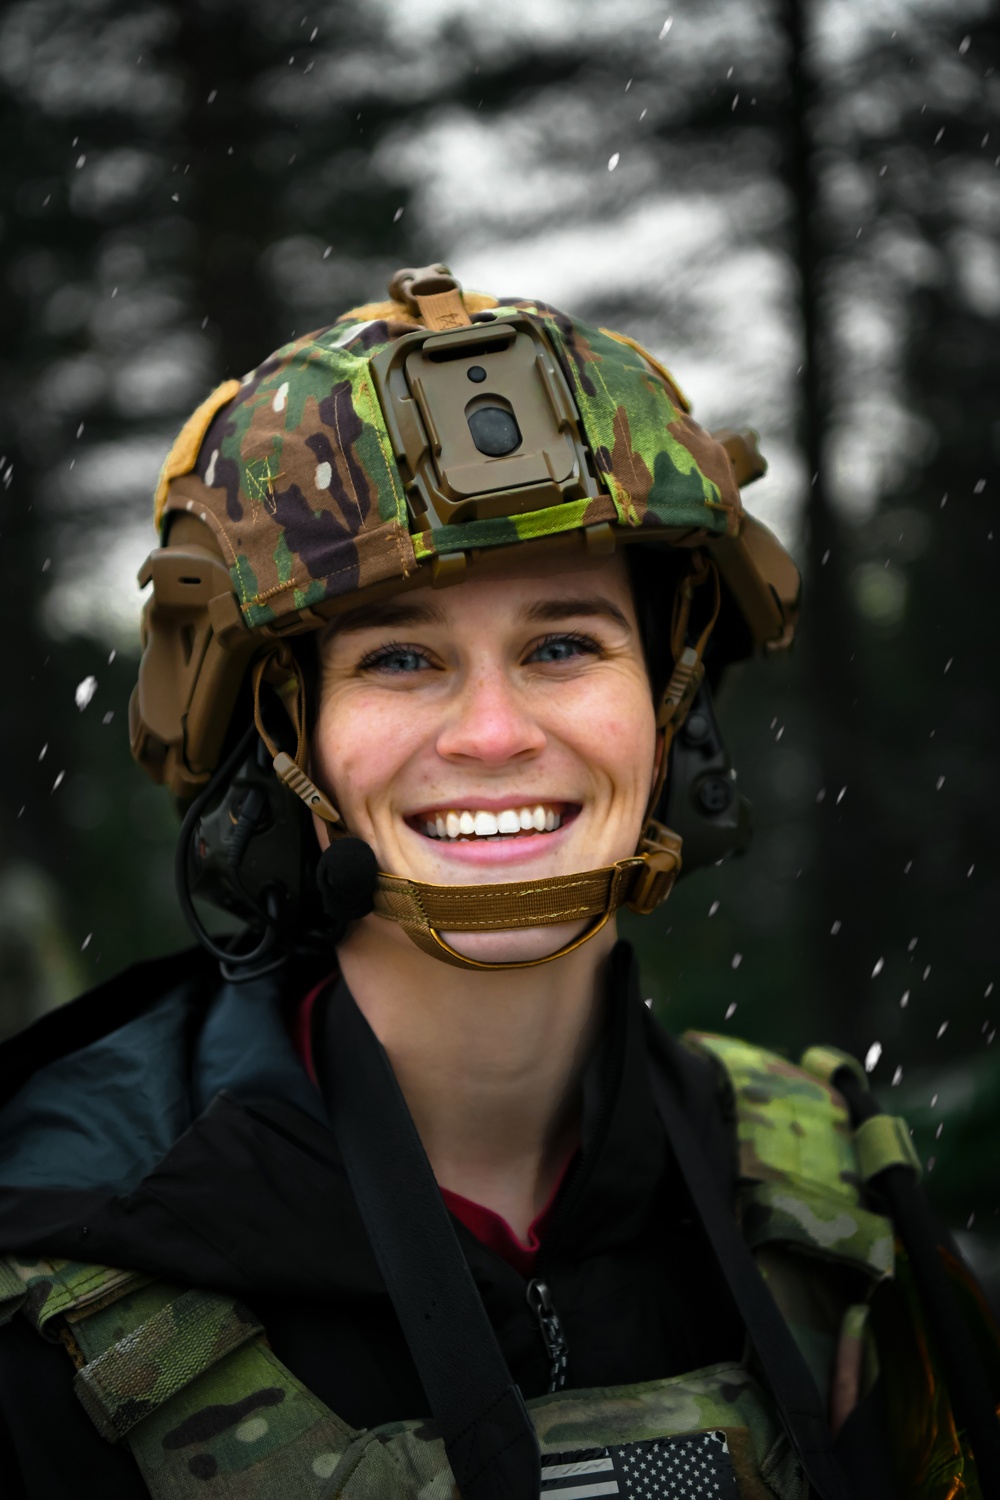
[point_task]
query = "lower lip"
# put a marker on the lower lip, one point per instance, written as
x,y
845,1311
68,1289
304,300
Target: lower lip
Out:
x,y
488,851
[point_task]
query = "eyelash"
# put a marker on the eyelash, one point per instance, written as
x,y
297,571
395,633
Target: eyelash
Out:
x,y
576,638
381,654
391,648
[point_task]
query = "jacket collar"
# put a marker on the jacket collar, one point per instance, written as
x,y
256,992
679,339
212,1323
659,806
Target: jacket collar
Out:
x,y
250,1193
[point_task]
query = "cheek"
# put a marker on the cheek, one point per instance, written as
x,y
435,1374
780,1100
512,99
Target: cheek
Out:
x,y
612,725
360,744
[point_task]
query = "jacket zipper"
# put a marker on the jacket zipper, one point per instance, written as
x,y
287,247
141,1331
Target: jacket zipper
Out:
x,y
553,1336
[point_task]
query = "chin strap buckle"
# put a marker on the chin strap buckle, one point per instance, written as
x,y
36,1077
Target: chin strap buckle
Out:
x,y
660,851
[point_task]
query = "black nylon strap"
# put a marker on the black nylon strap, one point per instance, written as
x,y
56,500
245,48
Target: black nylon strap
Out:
x,y
784,1367
489,1437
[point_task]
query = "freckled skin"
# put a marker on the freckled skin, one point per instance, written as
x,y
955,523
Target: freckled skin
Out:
x,y
489,703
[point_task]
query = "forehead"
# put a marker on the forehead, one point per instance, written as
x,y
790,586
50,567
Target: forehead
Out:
x,y
536,588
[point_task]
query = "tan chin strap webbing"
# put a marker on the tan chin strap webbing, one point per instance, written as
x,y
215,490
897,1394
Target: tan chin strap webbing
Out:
x,y
425,911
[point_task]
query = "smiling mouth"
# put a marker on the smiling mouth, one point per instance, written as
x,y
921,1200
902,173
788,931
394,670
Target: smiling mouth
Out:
x,y
458,825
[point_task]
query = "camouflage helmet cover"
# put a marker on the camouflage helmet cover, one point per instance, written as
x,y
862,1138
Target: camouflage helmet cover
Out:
x,y
299,492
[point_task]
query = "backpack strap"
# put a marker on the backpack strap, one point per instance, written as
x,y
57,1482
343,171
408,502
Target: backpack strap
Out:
x,y
186,1379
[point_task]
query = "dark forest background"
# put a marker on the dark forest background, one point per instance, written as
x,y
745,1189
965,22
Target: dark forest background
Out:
x,y
795,204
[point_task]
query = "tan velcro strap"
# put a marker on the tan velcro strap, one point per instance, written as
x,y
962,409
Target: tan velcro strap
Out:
x,y
134,1377
508,904
884,1141
431,294
443,310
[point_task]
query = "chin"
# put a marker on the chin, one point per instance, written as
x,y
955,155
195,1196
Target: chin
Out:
x,y
515,945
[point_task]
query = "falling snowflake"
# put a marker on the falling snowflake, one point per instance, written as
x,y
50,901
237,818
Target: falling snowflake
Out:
x,y
85,690
872,1056
613,161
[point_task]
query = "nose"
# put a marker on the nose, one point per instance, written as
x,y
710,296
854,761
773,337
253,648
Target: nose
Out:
x,y
490,723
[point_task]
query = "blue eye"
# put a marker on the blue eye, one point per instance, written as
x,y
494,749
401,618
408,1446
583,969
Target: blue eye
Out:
x,y
564,648
401,659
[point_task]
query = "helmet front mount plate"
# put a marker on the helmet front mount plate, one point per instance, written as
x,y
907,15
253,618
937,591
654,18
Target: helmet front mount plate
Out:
x,y
481,423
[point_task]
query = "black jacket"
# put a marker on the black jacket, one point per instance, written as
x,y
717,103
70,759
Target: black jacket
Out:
x,y
164,1123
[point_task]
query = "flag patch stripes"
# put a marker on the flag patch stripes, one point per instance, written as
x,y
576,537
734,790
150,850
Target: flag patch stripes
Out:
x,y
696,1466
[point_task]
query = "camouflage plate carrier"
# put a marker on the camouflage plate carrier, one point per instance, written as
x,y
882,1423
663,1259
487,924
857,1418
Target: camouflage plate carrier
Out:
x,y
187,1379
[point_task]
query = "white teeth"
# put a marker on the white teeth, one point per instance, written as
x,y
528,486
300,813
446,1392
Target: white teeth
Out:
x,y
482,824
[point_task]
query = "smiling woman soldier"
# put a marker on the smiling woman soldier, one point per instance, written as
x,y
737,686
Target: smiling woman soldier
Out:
x,y
416,1199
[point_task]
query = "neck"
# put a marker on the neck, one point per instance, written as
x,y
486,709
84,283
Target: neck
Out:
x,y
489,1062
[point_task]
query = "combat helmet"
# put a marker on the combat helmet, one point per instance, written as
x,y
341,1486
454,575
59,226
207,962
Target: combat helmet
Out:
x,y
427,439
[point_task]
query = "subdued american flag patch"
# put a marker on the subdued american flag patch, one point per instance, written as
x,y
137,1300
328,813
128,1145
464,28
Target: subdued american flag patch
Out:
x,y
695,1467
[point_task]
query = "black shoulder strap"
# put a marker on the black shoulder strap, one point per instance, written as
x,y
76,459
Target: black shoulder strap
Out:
x,y
489,1437
785,1370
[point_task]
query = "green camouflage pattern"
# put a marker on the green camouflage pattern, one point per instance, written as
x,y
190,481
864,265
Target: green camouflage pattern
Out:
x,y
127,1380
799,1196
44,1289
298,481
161,1372
208,1410
296,477
819,1223
407,1459
791,1127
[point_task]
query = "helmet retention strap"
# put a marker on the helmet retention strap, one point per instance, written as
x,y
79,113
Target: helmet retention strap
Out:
x,y
281,670
659,846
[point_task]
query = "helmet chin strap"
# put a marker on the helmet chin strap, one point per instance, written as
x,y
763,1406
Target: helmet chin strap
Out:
x,y
641,882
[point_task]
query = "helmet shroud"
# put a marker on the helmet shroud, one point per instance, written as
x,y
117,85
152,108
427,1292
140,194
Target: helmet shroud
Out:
x,y
428,439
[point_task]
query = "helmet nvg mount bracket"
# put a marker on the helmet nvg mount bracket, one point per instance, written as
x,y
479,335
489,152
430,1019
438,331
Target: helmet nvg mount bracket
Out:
x,y
428,439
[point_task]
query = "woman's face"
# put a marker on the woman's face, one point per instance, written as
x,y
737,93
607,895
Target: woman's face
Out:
x,y
499,730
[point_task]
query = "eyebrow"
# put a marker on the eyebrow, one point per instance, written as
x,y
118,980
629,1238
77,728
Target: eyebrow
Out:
x,y
391,612
394,612
552,610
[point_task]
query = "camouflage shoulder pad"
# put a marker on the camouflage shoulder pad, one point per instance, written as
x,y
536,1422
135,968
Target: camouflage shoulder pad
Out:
x,y
791,1125
799,1176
